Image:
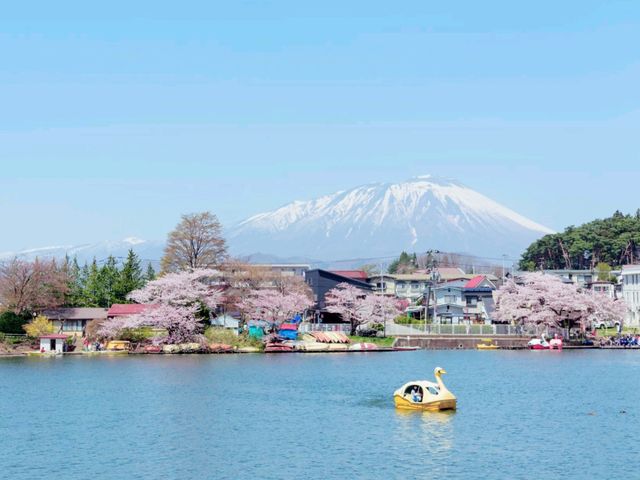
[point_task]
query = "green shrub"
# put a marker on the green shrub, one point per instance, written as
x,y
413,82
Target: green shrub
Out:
x,y
12,323
223,335
137,335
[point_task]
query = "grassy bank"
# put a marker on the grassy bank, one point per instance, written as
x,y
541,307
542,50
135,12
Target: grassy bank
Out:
x,y
612,332
381,342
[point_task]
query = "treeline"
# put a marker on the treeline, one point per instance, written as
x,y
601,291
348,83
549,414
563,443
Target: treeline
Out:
x,y
614,241
101,286
28,287
410,262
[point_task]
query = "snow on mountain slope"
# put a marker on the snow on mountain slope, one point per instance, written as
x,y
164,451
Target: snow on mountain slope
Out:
x,y
148,251
382,219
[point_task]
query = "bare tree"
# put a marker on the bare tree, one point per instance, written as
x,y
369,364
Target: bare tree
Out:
x,y
196,242
242,278
32,286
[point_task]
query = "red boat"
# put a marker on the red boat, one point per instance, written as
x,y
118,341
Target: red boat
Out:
x,y
277,347
220,348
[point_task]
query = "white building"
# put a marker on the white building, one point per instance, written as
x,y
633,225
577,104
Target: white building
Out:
x,y
52,343
450,304
631,294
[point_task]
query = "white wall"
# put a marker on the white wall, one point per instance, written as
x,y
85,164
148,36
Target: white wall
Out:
x,y
631,295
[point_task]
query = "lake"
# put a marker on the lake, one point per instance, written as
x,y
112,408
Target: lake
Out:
x,y
521,414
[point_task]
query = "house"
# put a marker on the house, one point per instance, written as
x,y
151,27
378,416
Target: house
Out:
x,y
74,320
478,299
449,304
284,269
581,278
604,288
360,275
52,343
227,322
384,284
446,274
631,294
411,285
321,281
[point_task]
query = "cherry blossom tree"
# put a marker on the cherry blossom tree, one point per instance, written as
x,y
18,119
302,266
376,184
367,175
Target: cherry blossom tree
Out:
x,y
180,302
274,306
181,289
383,308
541,299
353,304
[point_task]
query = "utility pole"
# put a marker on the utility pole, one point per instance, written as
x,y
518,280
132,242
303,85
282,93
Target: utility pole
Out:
x,y
426,313
431,254
504,257
384,313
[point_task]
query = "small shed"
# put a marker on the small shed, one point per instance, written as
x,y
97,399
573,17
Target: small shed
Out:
x,y
52,343
226,321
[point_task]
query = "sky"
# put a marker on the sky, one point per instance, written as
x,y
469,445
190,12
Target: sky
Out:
x,y
117,118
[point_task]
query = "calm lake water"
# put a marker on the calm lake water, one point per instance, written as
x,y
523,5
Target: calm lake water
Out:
x,y
521,415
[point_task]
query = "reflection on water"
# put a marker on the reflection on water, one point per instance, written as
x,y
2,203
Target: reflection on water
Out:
x,y
430,432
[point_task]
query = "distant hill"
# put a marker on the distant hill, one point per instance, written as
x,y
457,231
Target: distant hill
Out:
x,y
614,240
148,251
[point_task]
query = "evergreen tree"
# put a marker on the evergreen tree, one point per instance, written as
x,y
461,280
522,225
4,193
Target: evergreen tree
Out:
x,y
108,282
130,277
151,273
74,297
614,240
405,263
92,287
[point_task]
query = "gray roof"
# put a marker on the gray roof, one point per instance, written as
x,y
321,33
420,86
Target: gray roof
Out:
x,y
76,313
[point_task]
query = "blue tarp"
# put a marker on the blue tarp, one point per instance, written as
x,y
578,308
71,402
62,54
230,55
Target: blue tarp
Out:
x,y
256,332
288,334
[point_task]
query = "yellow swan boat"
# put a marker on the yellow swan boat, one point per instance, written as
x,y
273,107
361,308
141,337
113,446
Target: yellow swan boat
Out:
x,y
487,344
425,395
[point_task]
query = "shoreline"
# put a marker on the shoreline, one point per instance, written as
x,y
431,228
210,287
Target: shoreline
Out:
x,y
379,350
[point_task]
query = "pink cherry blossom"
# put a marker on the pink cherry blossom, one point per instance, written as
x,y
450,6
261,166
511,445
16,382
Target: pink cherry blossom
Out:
x,y
359,307
273,306
180,303
542,299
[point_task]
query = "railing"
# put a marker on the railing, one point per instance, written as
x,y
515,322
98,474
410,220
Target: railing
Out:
x,y
324,327
462,329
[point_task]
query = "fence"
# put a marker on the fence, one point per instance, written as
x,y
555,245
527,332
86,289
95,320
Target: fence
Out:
x,y
432,329
468,329
324,327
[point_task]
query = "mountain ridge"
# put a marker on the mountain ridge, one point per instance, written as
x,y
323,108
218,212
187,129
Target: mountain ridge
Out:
x,y
422,213
368,221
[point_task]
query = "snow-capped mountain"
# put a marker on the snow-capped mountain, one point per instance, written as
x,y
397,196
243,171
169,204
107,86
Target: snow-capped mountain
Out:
x,y
383,219
148,251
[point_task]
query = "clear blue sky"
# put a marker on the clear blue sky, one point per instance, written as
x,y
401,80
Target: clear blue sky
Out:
x,y
114,119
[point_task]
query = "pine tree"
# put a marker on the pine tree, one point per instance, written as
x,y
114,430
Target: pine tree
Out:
x,y
92,286
108,281
130,277
151,273
74,297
